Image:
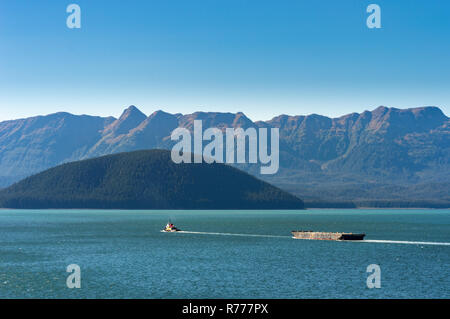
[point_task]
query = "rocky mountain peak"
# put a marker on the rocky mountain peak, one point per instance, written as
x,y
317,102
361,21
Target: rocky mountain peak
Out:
x,y
129,120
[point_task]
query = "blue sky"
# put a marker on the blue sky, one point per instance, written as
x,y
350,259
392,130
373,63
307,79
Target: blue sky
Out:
x,y
263,58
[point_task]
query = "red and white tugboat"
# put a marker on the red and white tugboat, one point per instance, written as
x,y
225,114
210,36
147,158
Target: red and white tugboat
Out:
x,y
170,228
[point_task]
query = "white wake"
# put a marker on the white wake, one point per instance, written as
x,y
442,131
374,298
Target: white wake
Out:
x,y
360,241
404,242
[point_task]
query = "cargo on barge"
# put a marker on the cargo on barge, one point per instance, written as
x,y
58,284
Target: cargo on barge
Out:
x,y
309,234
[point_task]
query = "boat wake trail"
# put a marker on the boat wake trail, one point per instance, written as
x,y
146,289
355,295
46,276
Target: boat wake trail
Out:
x,y
405,242
231,234
360,241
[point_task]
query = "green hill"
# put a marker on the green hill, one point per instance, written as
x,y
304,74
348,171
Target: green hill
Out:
x,y
145,180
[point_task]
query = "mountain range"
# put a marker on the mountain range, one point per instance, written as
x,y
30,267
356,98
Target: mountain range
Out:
x,y
385,157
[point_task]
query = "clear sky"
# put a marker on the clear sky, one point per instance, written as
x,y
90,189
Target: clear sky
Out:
x,y
260,57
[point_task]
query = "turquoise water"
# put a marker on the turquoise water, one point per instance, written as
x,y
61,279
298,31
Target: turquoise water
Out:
x,y
123,254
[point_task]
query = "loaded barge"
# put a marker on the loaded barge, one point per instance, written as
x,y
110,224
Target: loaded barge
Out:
x,y
309,234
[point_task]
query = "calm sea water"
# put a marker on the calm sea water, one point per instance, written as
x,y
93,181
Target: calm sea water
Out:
x,y
123,254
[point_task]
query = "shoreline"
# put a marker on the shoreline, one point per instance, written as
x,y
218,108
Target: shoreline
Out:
x,y
228,210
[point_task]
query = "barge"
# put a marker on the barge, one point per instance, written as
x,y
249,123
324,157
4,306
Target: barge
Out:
x,y
309,234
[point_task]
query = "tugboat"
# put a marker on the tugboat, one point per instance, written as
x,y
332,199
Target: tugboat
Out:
x,y
170,228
